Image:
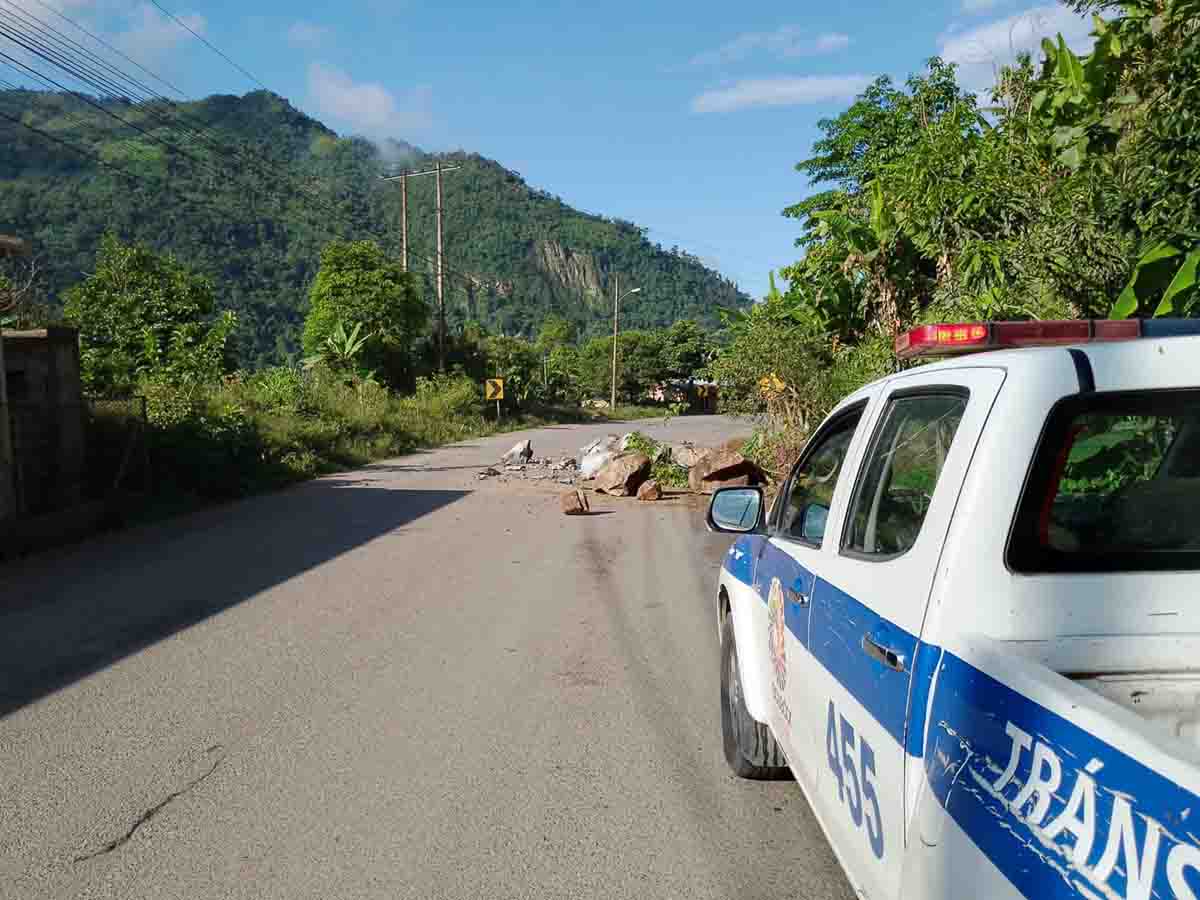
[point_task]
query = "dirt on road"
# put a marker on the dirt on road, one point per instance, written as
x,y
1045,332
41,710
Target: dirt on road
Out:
x,y
395,682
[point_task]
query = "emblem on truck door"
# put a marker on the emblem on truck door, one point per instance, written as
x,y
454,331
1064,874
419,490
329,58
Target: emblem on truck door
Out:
x,y
776,630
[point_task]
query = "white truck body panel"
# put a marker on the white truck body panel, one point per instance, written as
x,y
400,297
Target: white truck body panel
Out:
x,y
1040,736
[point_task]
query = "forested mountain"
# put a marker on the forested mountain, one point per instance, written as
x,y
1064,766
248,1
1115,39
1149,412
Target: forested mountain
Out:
x,y
248,189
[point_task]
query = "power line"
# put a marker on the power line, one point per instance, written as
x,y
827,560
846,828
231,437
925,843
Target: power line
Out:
x,y
106,44
207,44
88,75
85,99
67,58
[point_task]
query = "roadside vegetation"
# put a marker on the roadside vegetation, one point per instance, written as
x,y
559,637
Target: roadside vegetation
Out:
x,y
367,388
1072,191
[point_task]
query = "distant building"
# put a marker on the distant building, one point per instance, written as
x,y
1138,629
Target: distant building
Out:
x,y
699,395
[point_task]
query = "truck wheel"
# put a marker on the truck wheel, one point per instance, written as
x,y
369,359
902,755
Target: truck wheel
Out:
x,y
750,748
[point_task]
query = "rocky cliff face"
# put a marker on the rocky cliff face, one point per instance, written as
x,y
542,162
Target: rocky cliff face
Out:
x,y
577,271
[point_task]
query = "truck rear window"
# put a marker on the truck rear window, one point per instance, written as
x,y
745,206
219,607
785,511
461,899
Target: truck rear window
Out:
x,y
1114,486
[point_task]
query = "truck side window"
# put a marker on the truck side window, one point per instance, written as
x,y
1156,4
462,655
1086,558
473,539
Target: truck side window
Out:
x,y
810,492
902,471
1115,486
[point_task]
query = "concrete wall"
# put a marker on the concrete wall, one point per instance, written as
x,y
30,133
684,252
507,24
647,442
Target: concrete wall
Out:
x,y
46,412
8,501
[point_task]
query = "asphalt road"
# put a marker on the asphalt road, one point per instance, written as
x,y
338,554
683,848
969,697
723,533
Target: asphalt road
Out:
x,y
397,682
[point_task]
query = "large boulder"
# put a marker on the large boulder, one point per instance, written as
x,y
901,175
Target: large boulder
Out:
x,y
688,455
596,455
723,468
574,503
520,453
623,475
649,491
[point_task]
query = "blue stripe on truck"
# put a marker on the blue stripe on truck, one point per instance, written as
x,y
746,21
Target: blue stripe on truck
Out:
x,y
1056,809
1133,829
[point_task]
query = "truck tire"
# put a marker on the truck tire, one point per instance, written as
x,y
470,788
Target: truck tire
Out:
x,y
750,748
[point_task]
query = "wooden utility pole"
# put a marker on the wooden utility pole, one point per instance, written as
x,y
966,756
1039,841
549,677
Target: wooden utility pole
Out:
x,y
440,264
404,221
616,300
441,297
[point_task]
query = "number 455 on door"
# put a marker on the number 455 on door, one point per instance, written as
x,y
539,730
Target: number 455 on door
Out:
x,y
851,771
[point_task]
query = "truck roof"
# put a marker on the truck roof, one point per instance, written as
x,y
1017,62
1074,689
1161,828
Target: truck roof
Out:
x,y
1137,364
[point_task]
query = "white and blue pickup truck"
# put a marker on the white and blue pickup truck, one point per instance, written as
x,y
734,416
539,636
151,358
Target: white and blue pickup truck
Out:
x,y
969,624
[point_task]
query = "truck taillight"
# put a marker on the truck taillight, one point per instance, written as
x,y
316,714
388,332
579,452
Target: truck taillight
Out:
x,y
964,337
929,340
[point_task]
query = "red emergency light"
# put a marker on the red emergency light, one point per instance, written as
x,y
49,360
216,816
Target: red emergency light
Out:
x,y
967,337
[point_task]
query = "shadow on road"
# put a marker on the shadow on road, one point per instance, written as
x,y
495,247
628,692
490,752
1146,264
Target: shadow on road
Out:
x,y
66,615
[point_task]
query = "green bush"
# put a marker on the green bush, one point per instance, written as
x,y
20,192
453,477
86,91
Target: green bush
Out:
x,y
663,470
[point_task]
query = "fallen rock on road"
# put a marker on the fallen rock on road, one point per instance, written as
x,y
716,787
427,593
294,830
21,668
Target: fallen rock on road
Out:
x,y
723,468
622,476
687,455
574,503
520,453
596,455
649,491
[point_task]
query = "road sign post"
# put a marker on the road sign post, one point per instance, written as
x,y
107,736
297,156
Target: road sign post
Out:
x,y
493,389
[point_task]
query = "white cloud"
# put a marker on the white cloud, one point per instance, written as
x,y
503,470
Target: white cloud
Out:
x,y
785,41
980,52
980,6
149,35
784,91
368,107
306,34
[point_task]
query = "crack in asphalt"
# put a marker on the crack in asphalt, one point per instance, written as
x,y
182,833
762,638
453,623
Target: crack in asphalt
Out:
x,y
118,842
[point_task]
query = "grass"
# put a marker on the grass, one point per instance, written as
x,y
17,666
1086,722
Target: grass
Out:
x,y
262,431
630,413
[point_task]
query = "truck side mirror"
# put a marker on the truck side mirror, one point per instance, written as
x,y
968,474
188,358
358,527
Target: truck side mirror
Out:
x,y
736,510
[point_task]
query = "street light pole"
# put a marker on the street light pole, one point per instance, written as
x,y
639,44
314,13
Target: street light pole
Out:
x,y
617,298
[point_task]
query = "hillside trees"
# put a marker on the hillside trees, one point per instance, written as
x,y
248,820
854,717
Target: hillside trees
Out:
x,y
357,286
1074,193
142,314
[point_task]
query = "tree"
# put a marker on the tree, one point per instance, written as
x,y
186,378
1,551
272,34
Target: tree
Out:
x,y
640,364
358,285
517,362
556,332
21,291
144,314
685,349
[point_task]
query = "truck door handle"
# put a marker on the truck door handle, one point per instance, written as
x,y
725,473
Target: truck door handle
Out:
x,y
797,598
880,653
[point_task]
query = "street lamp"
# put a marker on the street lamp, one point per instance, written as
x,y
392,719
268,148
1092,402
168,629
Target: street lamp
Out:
x,y
616,303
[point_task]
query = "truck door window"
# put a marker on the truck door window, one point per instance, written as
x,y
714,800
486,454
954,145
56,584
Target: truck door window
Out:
x,y
901,473
1114,486
810,491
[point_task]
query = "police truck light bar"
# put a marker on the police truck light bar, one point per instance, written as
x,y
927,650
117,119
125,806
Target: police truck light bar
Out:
x,y
967,337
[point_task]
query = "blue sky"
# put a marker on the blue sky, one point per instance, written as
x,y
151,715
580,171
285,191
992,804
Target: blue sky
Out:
x,y
685,117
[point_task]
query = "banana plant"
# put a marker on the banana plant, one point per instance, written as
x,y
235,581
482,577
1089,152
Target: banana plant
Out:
x,y
1077,91
1150,272
874,249
341,349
